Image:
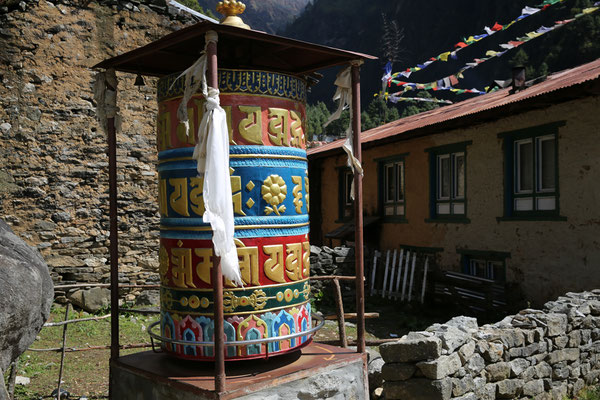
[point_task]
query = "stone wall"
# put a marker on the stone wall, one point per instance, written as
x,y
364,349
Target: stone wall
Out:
x,y
539,354
329,261
53,163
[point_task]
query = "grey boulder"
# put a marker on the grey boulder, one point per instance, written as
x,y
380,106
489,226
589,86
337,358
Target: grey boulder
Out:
x,y
27,294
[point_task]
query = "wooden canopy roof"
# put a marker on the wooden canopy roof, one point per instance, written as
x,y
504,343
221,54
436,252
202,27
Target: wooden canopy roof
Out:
x,y
237,48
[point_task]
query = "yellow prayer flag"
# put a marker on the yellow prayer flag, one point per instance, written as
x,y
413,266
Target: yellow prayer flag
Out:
x,y
589,10
491,53
444,56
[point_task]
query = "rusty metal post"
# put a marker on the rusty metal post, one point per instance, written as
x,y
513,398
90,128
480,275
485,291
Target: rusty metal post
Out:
x,y
340,313
62,356
358,208
217,277
114,239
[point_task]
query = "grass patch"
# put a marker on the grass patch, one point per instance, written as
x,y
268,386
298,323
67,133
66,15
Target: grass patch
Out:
x,y
85,373
591,393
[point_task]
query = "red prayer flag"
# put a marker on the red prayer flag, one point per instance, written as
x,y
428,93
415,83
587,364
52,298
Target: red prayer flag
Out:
x,y
462,45
432,59
497,27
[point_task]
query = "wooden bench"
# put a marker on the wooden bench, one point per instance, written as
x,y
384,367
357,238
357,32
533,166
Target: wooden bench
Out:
x,y
402,273
472,294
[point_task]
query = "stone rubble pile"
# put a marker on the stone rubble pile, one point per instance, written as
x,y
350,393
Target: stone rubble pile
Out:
x,y
535,354
325,261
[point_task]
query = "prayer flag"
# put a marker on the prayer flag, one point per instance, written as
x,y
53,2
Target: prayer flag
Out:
x,y
529,10
444,56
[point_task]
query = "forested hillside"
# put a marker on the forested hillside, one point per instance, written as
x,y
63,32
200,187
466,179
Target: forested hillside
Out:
x,y
427,28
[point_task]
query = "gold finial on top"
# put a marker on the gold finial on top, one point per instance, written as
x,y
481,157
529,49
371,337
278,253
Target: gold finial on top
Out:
x,y
230,9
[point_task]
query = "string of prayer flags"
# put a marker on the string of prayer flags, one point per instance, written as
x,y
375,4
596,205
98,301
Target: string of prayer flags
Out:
x,y
445,56
452,80
397,99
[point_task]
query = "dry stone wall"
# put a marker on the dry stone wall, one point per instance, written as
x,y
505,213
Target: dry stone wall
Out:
x,y
53,163
535,354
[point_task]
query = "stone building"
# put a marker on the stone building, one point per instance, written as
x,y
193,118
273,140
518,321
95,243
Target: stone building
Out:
x,y
53,163
506,184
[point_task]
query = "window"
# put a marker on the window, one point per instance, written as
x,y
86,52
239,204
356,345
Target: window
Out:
x,y
393,189
448,182
346,204
535,174
531,176
484,264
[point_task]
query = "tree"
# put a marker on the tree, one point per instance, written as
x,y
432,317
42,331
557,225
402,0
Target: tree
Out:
x,y
378,113
418,107
193,4
316,116
521,59
390,41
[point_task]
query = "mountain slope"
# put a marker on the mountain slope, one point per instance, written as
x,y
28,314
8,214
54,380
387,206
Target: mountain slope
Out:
x,y
433,27
265,15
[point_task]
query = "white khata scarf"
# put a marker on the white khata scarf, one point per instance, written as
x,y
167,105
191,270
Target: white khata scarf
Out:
x,y
212,155
343,93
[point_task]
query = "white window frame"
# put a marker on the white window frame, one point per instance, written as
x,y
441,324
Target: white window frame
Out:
x,y
452,198
526,200
397,169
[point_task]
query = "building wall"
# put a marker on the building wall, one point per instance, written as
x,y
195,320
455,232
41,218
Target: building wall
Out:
x,y
53,163
547,257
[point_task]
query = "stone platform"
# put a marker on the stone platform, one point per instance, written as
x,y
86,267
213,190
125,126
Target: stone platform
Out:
x,y
317,371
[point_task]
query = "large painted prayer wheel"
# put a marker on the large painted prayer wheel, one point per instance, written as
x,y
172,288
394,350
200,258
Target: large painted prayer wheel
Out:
x,y
266,122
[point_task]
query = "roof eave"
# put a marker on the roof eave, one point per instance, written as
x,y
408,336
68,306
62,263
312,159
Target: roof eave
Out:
x,y
561,95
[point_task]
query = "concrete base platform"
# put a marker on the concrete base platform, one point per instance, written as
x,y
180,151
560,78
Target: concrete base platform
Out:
x,y
318,371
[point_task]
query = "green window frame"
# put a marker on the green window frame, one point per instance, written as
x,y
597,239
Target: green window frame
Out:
x,y
392,193
484,264
448,183
345,202
531,166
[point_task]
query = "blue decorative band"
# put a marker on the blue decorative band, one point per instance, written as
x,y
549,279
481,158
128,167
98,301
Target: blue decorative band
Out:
x,y
261,187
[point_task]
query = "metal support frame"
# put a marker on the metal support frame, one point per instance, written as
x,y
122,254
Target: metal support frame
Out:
x,y
114,242
358,207
217,277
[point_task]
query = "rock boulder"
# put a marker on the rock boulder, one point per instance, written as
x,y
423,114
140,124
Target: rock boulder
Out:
x,y
27,294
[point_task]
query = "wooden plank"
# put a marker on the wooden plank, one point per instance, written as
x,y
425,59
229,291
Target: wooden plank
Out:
x,y
385,274
399,277
412,276
374,271
352,316
424,279
340,313
405,275
391,288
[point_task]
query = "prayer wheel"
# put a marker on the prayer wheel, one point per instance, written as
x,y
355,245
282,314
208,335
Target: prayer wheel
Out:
x,y
266,121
